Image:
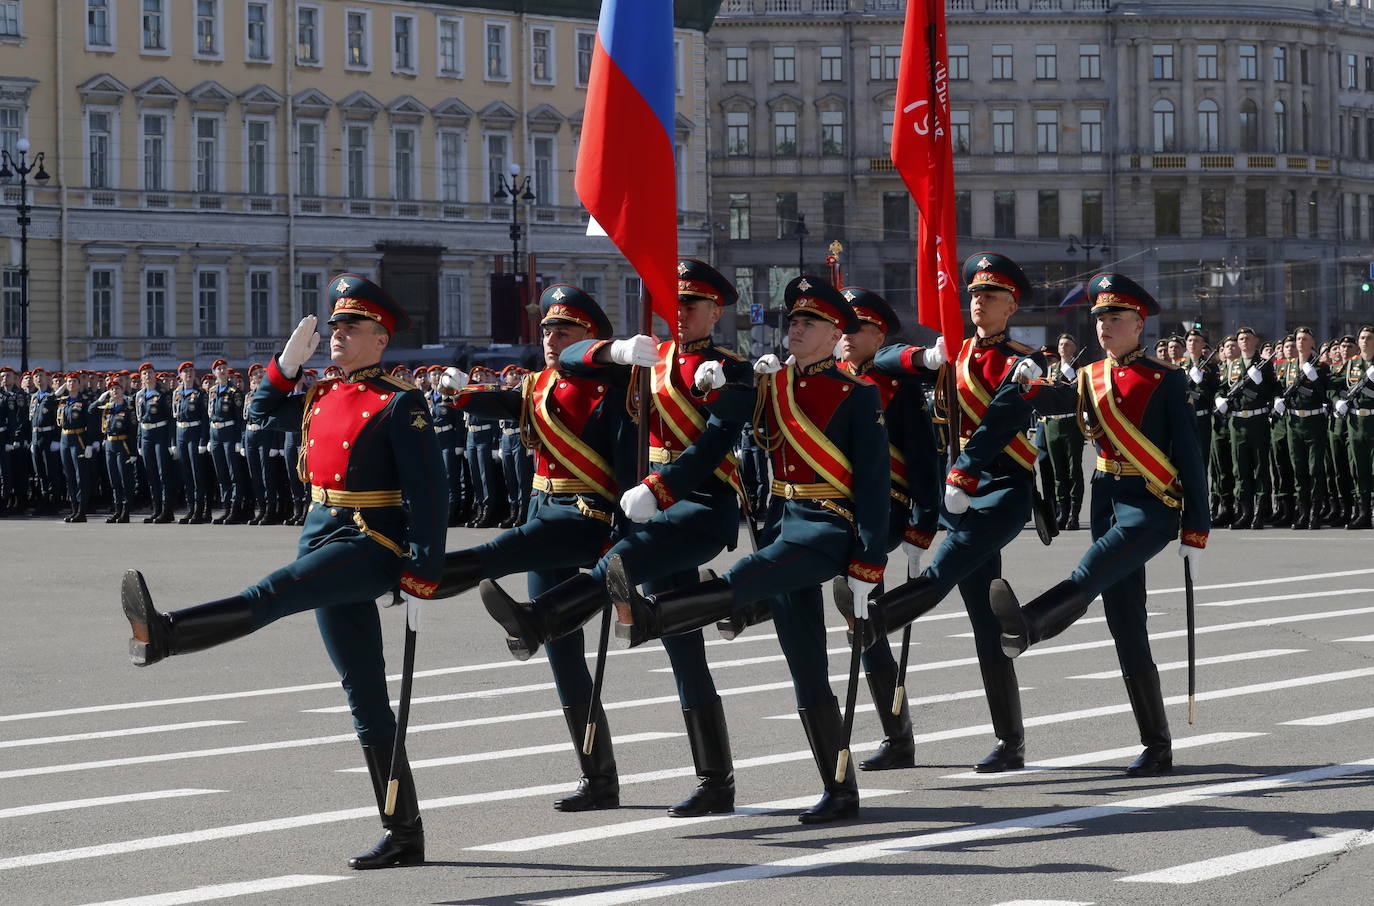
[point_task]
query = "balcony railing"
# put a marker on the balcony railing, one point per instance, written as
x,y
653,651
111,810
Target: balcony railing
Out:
x,y
795,7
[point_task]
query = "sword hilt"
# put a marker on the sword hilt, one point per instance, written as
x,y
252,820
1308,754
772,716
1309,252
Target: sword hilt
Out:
x,y
842,765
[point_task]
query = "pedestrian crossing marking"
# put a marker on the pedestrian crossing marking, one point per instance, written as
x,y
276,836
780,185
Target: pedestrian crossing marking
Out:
x,y
1264,857
225,891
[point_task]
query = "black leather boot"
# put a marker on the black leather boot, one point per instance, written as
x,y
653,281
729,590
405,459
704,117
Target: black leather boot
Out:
x,y
462,569
1242,513
1071,523
113,517
240,514
673,612
159,635
825,732
600,784
892,610
478,514
490,517
1147,702
1226,515
1360,516
166,515
1004,706
273,515
122,517
222,518
710,742
739,620
403,842
71,511
898,748
152,517
555,613
1043,618
79,515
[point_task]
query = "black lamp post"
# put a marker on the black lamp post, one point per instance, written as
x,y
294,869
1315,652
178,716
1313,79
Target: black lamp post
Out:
x,y
801,232
23,167
517,190
1088,246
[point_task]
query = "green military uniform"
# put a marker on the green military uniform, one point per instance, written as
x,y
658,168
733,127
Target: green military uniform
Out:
x,y
1356,389
1064,445
1280,462
1304,401
1247,425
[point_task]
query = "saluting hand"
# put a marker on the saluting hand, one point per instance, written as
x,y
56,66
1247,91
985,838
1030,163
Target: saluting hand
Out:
x,y
300,346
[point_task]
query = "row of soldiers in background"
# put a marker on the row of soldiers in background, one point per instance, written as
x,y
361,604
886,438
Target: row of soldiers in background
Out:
x,y
1287,428
87,441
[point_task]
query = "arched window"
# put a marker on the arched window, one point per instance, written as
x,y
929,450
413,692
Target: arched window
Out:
x,y
1163,119
1249,126
1280,127
1208,125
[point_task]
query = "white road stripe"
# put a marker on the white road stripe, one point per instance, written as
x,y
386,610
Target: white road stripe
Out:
x,y
503,754
1202,661
1299,597
72,804
112,734
1074,761
903,846
1280,580
1046,903
1327,720
224,891
648,825
1265,857
1358,638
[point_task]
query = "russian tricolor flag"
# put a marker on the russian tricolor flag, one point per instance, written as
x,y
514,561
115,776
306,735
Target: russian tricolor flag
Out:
x,y
626,176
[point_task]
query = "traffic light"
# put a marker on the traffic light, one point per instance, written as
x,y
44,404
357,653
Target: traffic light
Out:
x,y
1366,286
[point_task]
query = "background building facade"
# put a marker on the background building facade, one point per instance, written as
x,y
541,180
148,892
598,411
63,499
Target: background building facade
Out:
x,y
1223,152
215,161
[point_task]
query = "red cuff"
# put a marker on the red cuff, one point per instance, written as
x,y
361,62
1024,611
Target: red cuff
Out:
x,y
417,586
912,358
589,357
277,379
664,496
1033,389
913,535
1195,539
866,572
966,483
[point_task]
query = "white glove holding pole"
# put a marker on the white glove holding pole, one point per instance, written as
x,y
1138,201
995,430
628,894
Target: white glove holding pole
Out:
x,y
709,376
1193,555
1195,374
1255,375
1067,373
1221,405
639,504
1027,370
1309,371
767,364
860,590
913,558
956,500
1280,407
299,347
638,350
936,355
1342,407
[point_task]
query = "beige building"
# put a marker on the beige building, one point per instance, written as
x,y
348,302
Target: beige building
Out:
x,y
213,162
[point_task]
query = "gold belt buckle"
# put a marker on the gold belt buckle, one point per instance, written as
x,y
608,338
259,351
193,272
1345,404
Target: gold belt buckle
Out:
x,y
789,491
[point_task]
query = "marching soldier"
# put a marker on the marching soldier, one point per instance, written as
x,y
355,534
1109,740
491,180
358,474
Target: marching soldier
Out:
x,y
291,452
1249,387
44,444
1148,468
117,425
1223,464
1280,463
78,444
262,448
1203,382
153,406
452,434
1303,407
225,412
375,476
1338,436
1355,404
829,516
481,442
19,395
515,459
1064,443
189,411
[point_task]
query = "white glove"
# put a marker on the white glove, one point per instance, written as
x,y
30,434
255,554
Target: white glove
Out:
x,y
1067,373
132,460
1309,371
1342,407
176,453
1221,405
936,355
271,453
1027,370
453,380
299,347
638,350
204,448
238,448
54,446
913,558
709,376
956,500
89,451
1195,374
1280,407
790,360
860,590
767,364
1255,375
639,504
1192,554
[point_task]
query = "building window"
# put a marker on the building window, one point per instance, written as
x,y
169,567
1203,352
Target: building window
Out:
x,y
1255,213
1090,130
736,64
1092,212
1312,215
1208,125
1289,205
451,166
259,42
586,47
403,43
1369,138
208,303
958,62
1047,131
832,64
308,158
403,160
260,303
739,215
308,35
1004,214
885,61
1206,61
1369,73
496,162
541,55
1003,131
9,18
1304,67
11,128
154,152
98,128
308,296
452,313
1355,136
359,139
1167,207
258,154
1280,127
1162,61
896,216
207,154
103,302
1247,61
963,212
784,64
1281,64
1001,61
207,28
1090,61
1162,120
156,284
832,214
1047,209
887,118
1352,71
544,190
356,39
832,131
498,38
785,212
154,25
1046,61
1306,136
451,47
1249,126
960,131
737,132
1213,212
13,295
98,29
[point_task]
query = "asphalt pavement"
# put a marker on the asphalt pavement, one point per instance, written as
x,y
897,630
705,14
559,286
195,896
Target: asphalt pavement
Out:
x,y
233,775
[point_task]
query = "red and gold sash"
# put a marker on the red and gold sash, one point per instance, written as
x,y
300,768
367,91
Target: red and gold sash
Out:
x,y
682,417
899,470
1138,449
565,446
803,436
974,400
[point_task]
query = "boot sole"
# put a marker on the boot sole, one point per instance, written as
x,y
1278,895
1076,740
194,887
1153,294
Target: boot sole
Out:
x,y
1015,638
138,610
622,595
501,607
